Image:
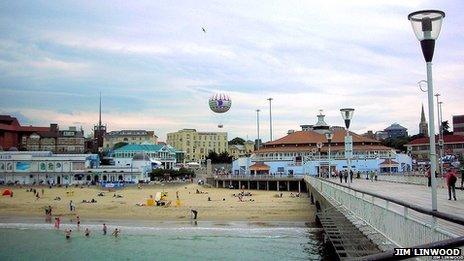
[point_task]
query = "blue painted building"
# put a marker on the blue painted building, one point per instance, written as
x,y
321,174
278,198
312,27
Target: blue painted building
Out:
x,y
159,155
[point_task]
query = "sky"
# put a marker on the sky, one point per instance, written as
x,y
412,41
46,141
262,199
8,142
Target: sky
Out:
x,y
156,68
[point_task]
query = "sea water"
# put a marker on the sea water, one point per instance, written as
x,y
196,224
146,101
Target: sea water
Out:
x,y
164,241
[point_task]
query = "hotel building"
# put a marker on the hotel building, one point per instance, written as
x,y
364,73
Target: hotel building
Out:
x,y
197,145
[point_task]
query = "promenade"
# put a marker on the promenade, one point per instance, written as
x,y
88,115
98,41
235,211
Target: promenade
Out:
x,y
419,195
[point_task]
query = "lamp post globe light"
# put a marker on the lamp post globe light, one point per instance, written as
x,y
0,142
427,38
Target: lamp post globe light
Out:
x,y
347,115
319,147
426,25
329,137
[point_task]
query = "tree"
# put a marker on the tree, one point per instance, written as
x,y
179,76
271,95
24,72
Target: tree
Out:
x,y
445,126
224,157
237,141
119,145
397,143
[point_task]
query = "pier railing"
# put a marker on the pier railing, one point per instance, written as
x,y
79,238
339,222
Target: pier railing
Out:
x,y
402,223
409,179
258,177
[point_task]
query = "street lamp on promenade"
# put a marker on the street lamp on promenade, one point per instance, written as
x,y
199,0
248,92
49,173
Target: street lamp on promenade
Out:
x,y
257,129
347,115
270,118
329,137
319,147
440,135
427,25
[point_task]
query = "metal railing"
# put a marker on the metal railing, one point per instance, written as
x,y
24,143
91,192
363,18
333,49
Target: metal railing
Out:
x,y
258,177
402,223
410,179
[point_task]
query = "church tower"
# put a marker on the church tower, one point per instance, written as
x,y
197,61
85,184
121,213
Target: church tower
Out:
x,y
423,126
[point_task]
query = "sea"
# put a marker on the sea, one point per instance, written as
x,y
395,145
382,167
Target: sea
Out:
x,y
188,240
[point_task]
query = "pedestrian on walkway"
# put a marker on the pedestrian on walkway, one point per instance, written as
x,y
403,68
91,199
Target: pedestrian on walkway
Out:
x,y
451,179
351,176
429,177
462,177
340,175
345,175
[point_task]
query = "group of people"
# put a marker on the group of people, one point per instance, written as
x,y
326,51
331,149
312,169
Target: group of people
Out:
x,y
343,175
68,231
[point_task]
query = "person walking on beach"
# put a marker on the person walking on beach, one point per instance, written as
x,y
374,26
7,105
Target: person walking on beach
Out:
x,y
195,213
104,229
451,179
70,205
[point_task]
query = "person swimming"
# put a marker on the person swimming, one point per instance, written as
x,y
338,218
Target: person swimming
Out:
x,y
87,232
104,229
116,232
67,233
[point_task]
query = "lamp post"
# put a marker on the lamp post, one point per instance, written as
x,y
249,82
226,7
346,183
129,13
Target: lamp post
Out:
x,y
441,143
440,135
319,147
426,25
347,115
257,127
270,118
329,137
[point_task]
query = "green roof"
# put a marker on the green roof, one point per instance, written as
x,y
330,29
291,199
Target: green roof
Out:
x,y
147,148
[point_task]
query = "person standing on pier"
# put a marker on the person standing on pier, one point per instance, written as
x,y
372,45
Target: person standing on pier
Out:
x,y
340,174
451,179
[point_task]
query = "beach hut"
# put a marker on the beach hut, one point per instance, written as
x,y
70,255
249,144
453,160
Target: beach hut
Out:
x,y
7,192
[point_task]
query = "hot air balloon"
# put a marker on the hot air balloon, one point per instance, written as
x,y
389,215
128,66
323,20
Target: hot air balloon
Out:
x,y
220,103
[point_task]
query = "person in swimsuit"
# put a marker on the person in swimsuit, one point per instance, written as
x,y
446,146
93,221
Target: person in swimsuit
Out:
x,y
87,232
104,229
116,232
67,233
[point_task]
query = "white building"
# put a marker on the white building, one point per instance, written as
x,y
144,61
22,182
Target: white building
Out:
x,y
44,167
297,154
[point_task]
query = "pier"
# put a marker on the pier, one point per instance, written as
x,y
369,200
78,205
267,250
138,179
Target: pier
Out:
x,y
259,182
390,214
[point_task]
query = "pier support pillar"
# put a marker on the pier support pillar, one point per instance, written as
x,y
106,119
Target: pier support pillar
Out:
x,y
288,185
248,184
239,184
267,185
299,186
278,186
257,185
217,184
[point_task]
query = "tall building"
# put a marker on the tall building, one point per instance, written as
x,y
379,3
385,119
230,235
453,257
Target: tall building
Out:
x,y
130,137
99,132
423,126
197,145
458,124
396,131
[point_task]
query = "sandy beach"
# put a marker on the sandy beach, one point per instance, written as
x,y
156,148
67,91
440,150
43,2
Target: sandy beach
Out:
x,y
263,206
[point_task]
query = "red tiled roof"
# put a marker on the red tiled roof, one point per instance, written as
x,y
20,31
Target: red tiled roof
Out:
x,y
307,137
389,162
259,166
446,139
325,148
